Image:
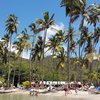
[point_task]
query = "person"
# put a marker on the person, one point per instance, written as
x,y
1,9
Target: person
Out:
x,y
37,89
31,92
76,86
69,89
66,90
36,93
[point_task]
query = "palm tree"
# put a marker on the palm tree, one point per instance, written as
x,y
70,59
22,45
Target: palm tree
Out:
x,y
89,14
36,47
86,44
70,8
77,8
11,27
3,48
44,25
55,41
60,55
32,28
21,44
96,36
36,52
94,12
54,44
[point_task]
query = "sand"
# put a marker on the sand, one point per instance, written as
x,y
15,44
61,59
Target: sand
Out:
x,y
84,95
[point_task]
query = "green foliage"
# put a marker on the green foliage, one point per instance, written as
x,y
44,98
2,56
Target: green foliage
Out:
x,y
26,84
59,66
2,81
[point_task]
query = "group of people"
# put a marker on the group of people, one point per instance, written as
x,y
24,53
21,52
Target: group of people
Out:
x,y
67,88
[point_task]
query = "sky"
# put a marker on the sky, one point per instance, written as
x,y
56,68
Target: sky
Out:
x,y
28,11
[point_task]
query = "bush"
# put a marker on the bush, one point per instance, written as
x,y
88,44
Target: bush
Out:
x,y
2,81
26,84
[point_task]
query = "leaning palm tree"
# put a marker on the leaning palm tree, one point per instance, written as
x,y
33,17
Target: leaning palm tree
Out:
x,y
11,27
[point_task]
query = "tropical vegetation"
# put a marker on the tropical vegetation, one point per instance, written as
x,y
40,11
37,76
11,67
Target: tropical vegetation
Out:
x,y
73,56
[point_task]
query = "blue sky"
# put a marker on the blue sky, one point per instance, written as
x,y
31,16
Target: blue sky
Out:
x,y
29,10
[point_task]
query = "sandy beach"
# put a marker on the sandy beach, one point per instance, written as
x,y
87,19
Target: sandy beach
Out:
x,y
84,95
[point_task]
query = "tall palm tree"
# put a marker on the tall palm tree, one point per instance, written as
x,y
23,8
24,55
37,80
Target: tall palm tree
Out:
x,y
70,8
54,44
32,28
36,52
36,46
21,44
86,44
11,27
44,25
77,8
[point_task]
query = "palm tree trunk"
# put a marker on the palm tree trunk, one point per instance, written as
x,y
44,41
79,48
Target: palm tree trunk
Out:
x,y
30,64
45,34
68,52
13,76
68,59
44,40
8,83
80,52
68,48
53,66
30,68
19,71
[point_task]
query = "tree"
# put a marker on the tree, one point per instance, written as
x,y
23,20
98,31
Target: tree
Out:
x,y
11,27
55,41
71,7
43,26
21,44
54,44
36,53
